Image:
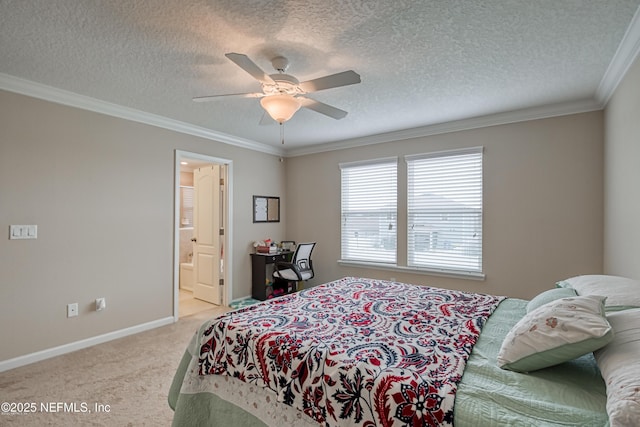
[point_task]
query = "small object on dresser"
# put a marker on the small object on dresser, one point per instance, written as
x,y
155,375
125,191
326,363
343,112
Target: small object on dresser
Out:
x,y
265,247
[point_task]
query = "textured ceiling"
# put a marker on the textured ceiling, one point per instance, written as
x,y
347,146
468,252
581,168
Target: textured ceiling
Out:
x,y
421,62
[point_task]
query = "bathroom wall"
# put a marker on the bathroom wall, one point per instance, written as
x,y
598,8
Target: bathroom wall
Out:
x,y
186,178
186,246
186,234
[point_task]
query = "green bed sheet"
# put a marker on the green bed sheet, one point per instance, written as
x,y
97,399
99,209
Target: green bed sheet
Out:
x,y
570,394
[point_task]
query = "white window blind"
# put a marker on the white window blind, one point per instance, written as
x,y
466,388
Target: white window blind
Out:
x,y
186,206
369,211
444,207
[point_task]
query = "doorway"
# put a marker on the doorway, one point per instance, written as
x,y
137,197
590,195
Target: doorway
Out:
x,y
185,165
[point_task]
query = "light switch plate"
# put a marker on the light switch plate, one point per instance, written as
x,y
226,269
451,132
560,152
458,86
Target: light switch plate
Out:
x,y
23,232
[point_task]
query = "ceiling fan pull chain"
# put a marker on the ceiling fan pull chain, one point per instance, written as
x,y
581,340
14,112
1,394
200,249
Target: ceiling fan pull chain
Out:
x,y
282,133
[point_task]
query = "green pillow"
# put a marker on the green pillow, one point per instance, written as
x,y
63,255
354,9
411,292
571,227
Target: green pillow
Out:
x,y
556,332
548,296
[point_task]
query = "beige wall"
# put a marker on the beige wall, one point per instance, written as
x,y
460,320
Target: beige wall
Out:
x,y
622,178
543,203
100,190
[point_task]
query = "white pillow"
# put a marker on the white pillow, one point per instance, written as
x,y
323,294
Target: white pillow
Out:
x,y
556,332
619,363
621,293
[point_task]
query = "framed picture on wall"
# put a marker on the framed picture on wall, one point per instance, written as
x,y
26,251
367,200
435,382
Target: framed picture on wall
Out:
x,y
266,209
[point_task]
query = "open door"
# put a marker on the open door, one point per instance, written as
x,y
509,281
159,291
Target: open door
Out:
x,y
206,227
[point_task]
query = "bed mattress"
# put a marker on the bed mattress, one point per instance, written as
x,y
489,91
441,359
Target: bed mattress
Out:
x,y
569,394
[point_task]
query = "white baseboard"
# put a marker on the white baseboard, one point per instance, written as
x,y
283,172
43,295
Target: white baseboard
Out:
x,y
16,362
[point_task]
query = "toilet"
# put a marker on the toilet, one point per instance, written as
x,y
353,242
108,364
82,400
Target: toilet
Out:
x,y
186,276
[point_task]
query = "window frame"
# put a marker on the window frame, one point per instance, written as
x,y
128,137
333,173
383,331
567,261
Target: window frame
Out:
x,y
377,249
442,268
402,263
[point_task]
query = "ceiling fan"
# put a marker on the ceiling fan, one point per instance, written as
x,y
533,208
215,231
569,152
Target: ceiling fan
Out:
x,y
282,94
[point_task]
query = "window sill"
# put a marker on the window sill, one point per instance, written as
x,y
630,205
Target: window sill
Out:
x,y
414,270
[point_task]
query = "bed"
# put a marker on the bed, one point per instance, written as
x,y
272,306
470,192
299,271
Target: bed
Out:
x,y
364,352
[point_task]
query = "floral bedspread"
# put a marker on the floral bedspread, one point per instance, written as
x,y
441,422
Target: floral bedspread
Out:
x,y
355,351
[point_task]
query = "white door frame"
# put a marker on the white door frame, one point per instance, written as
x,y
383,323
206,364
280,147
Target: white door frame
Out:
x,y
227,224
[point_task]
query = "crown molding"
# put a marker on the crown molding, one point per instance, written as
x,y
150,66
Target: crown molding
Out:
x,y
59,96
625,55
629,48
534,113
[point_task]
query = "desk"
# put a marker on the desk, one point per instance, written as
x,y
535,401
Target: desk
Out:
x,y
262,274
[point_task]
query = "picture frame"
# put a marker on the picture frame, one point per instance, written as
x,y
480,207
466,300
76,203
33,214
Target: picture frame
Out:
x,y
266,209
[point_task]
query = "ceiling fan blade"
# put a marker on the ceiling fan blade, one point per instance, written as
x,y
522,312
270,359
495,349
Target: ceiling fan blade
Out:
x,y
322,108
237,95
250,67
344,78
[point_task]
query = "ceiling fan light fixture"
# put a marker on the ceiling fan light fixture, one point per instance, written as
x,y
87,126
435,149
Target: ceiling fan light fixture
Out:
x,y
280,107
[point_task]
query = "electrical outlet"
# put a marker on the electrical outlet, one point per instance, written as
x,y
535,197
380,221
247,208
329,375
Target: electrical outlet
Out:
x,y
101,304
72,309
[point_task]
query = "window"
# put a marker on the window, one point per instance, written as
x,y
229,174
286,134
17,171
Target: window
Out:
x,y
369,211
444,211
186,206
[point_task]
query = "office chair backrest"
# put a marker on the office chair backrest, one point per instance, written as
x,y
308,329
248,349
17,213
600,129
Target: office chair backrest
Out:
x,y
302,257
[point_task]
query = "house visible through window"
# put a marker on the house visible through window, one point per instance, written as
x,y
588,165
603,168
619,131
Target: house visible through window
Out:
x,y
369,211
444,211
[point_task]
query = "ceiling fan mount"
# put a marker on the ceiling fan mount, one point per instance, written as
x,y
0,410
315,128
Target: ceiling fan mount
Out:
x,y
284,84
280,63
283,94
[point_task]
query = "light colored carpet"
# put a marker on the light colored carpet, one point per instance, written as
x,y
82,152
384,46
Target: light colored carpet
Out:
x,y
131,375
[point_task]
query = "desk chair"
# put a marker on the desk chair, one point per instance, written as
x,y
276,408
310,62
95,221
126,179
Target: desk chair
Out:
x,y
299,269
